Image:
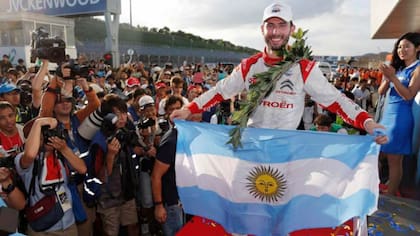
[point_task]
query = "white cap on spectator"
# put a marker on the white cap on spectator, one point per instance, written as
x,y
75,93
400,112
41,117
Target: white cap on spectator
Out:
x,y
279,10
156,69
145,100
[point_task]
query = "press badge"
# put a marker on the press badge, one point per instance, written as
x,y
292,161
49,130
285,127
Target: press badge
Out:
x,y
63,199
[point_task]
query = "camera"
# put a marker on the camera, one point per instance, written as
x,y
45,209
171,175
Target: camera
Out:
x,y
146,123
7,160
225,108
45,47
25,92
91,124
127,137
224,112
76,70
163,124
56,132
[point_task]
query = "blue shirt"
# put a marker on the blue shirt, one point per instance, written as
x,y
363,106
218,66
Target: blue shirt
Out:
x,y
26,175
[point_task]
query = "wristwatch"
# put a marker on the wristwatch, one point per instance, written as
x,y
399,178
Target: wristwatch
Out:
x,y
8,189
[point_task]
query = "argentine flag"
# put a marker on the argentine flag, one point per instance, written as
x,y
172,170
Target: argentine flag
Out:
x,y
279,182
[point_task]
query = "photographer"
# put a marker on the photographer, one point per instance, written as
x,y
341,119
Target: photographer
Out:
x,y
42,167
11,134
113,149
12,94
172,103
54,104
148,130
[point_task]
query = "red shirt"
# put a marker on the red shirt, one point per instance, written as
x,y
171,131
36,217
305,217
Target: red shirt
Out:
x,y
11,142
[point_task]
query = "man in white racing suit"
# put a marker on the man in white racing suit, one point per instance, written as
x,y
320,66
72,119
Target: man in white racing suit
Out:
x,y
283,107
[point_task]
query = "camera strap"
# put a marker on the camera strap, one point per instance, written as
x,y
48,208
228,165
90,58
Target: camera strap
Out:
x,y
50,176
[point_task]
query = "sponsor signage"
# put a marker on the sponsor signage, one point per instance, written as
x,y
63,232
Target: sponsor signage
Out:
x,y
54,7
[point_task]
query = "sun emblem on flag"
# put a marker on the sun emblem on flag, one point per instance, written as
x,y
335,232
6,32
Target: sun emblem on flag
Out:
x,y
266,183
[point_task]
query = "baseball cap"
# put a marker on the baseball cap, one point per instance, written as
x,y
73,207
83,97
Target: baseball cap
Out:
x,y
7,88
132,81
191,87
198,78
279,10
100,73
156,69
160,85
145,100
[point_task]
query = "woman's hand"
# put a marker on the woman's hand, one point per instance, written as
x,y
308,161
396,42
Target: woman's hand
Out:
x,y
388,71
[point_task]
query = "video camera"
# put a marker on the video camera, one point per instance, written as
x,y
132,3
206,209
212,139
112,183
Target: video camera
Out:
x,y
76,70
45,47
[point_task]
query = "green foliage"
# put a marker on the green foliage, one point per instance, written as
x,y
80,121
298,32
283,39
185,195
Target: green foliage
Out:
x,y
265,82
88,28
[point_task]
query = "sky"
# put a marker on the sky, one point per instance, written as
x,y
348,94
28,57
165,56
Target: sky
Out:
x,y
336,27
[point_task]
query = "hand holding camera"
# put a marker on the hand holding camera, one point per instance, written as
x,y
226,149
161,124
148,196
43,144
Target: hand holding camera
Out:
x,y
57,143
47,122
82,83
65,71
113,147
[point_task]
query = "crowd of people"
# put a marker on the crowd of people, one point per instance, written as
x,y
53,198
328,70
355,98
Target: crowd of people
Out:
x,y
42,129
92,148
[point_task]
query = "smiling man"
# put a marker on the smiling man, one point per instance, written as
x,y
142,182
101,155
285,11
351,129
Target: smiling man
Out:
x,y
283,107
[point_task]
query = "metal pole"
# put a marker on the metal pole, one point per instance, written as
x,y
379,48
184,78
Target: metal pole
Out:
x,y
131,18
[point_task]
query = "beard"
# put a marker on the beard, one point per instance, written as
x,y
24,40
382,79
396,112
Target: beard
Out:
x,y
277,48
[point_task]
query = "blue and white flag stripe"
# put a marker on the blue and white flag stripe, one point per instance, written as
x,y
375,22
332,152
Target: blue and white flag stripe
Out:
x,y
328,178
322,178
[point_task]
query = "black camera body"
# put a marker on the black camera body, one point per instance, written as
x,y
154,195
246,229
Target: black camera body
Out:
x,y
45,47
76,70
146,123
56,132
25,93
164,125
80,70
7,162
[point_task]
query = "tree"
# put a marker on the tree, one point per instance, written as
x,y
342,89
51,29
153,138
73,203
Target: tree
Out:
x,y
165,30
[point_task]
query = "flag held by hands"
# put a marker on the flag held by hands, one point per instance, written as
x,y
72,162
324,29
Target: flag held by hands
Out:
x,y
279,182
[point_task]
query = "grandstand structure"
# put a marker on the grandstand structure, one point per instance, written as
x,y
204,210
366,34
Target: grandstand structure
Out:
x,y
154,54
